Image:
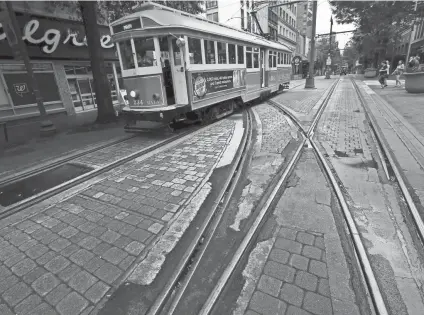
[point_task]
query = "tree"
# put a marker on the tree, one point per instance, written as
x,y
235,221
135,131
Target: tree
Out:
x,y
105,110
378,24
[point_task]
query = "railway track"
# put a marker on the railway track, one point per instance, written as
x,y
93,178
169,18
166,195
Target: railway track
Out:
x,y
71,160
167,302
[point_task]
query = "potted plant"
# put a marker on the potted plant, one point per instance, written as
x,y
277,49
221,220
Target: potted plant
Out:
x,y
414,79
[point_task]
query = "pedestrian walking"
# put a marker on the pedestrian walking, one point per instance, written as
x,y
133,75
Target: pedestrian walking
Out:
x,y
383,74
398,72
388,73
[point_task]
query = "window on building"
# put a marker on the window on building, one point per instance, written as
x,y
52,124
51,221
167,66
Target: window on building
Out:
x,y
240,54
249,53
212,16
211,4
210,52
281,12
195,50
145,52
222,52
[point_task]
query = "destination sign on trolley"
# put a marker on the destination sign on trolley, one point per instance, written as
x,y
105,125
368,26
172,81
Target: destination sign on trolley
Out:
x,y
130,25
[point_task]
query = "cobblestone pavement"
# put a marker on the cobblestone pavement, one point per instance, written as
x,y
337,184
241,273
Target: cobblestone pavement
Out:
x,y
339,125
117,151
294,278
66,258
276,129
298,266
304,103
374,202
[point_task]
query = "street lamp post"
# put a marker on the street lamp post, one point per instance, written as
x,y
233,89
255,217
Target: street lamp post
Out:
x,y
310,83
327,75
14,37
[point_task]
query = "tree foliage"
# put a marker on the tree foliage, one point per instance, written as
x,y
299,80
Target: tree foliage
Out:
x,y
378,24
108,11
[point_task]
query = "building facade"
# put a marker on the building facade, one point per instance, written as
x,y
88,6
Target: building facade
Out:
x,y
59,55
285,24
417,40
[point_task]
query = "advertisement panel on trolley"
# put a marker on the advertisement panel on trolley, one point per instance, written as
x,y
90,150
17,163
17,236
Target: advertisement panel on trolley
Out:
x,y
209,84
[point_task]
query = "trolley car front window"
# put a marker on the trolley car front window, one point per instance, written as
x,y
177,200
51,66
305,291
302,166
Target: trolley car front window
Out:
x,y
145,52
126,54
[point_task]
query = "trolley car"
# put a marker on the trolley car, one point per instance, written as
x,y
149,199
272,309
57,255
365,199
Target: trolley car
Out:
x,y
177,66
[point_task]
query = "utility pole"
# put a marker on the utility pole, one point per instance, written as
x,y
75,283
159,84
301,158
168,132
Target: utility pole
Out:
x,y
14,37
411,36
327,75
310,83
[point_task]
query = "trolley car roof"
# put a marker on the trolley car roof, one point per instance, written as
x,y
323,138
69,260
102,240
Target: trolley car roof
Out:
x,y
168,17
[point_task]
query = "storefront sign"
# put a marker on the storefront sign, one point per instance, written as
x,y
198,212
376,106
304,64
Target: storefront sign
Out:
x,y
205,83
296,60
54,38
21,89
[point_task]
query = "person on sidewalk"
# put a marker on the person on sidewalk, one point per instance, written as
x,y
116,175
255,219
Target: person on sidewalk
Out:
x,y
388,73
398,72
383,74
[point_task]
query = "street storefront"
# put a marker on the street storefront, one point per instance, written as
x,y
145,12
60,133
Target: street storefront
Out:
x,y
60,59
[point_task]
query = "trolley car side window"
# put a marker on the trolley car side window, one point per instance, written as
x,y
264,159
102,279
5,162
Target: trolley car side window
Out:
x,y
126,54
210,51
249,57
256,58
222,52
232,53
145,52
195,50
240,54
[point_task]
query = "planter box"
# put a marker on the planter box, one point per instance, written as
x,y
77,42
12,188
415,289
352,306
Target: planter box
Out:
x,y
414,82
370,73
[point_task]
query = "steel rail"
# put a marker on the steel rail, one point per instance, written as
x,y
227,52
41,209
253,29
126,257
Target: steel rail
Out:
x,y
58,161
409,200
208,225
263,211
23,204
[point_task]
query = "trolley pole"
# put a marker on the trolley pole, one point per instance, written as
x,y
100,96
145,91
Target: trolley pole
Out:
x,y
14,37
310,82
327,75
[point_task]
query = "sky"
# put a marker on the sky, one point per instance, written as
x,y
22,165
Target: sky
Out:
x,y
323,24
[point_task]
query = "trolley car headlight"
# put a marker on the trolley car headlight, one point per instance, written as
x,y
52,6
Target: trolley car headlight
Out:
x,y
134,94
156,96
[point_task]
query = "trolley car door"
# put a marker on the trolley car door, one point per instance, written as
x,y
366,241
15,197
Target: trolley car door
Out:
x,y
178,72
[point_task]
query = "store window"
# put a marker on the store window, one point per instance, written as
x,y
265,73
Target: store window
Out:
x,y
81,85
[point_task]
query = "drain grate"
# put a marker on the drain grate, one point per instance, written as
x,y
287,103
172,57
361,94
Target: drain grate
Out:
x,y
28,187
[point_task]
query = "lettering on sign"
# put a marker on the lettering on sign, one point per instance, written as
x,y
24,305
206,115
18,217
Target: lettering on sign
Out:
x,y
20,88
53,37
128,26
